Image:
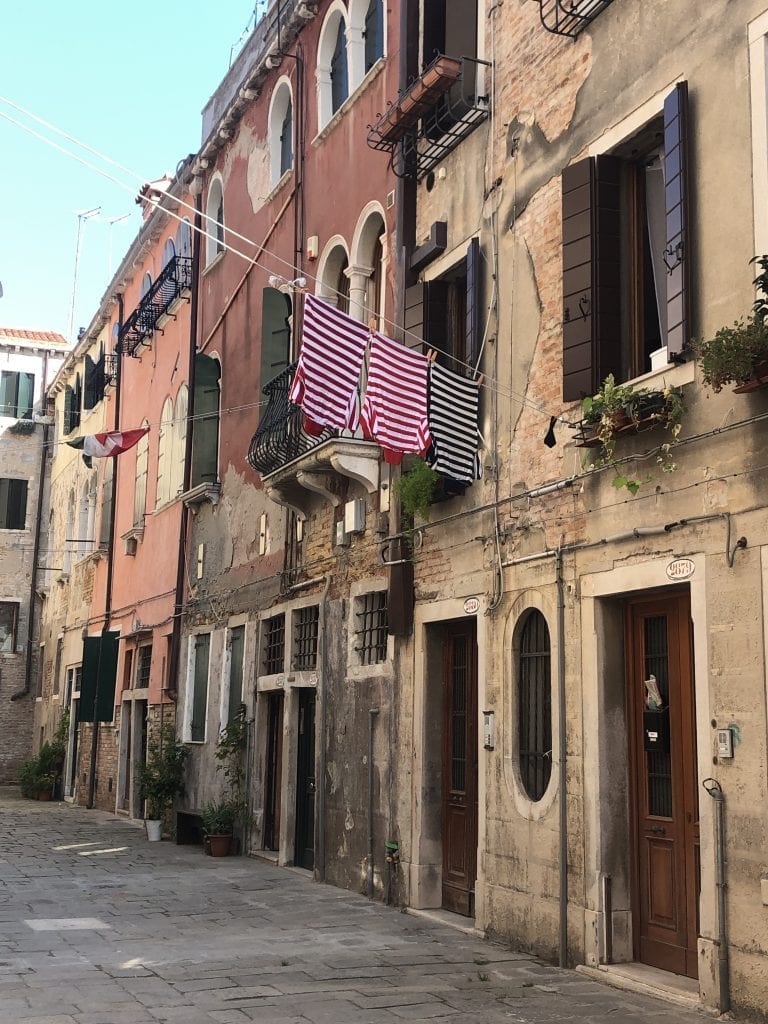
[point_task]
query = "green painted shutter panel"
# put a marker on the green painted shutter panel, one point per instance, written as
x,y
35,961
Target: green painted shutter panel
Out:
x,y
200,687
26,396
99,674
205,425
677,255
237,644
474,295
68,397
7,393
89,397
275,336
17,504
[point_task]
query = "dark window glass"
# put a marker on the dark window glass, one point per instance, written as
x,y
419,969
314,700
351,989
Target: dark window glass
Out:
x,y
236,645
535,706
274,645
200,691
9,616
305,630
286,141
371,628
143,666
374,33
13,504
339,75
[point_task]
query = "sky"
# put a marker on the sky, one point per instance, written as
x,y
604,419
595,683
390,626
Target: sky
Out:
x,y
130,80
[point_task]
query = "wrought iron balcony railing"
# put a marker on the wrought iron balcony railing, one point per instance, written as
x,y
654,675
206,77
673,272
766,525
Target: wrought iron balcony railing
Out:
x,y
432,116
175,279
569,17
281,437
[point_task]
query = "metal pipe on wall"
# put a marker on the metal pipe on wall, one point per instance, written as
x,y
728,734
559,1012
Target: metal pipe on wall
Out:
x,y
715,790
372,712
563,774
323,716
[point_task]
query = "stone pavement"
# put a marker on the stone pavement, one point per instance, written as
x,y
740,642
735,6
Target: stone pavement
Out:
x,y
97,926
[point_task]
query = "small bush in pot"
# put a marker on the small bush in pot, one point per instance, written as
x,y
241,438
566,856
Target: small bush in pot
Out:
x,y
161,777
219,818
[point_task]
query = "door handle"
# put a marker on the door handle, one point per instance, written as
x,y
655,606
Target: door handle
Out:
x,y
658,830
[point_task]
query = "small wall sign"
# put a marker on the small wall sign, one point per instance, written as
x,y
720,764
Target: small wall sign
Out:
x,y
472,605
681,569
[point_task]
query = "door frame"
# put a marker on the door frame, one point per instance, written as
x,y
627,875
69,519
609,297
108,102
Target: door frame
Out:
x,y
601,614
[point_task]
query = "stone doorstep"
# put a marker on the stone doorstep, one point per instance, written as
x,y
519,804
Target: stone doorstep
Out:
x,y
450,920
648,981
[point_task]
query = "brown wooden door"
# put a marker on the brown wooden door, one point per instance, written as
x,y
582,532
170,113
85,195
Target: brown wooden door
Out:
x,y
663,773
459,824
274,770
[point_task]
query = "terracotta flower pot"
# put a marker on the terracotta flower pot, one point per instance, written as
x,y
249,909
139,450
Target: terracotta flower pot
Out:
x,y
219,846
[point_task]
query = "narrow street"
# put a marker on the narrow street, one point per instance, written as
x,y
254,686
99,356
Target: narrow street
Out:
x,y
97,926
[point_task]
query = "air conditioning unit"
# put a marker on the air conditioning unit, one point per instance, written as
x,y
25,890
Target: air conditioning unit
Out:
x,y
354,516
342,537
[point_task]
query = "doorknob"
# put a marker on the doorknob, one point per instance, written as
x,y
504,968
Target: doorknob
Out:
x,y
659,830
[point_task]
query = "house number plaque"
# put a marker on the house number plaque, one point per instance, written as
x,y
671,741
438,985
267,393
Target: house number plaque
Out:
x,y
681,569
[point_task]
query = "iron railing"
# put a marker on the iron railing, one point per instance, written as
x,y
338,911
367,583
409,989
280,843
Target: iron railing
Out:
x,y
432,116
175,279
569,17
281,437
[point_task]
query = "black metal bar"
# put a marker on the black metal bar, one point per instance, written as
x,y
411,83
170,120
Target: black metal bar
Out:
x,y
569,17
175,279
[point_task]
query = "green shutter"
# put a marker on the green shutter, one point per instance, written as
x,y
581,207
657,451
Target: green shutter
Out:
x,y
97,686
205,425
237,643
275,336
200,689
7,393
26,396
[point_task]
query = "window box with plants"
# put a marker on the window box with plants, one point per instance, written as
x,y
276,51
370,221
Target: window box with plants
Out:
x,y
620,409
738,354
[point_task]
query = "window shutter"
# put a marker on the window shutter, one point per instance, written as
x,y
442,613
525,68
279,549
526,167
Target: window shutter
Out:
x,y
200,687
413,314
275,337
677,255
16,516
90,399
26,395
591,281
205,428
374,33
68,401
473,303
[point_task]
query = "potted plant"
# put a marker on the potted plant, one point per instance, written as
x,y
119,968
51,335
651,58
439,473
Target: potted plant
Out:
x,y
219,819
417,489
161,777
738,354
618,409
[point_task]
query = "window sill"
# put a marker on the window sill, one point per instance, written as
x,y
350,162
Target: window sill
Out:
x,y
350,101
214,262
675,374
197,496
279,186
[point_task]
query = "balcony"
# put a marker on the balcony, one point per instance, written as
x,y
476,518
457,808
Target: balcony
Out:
x,y
432,116
295,466
569,17
173,282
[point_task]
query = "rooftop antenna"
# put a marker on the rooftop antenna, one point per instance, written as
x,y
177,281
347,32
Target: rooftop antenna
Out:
x,y
82,215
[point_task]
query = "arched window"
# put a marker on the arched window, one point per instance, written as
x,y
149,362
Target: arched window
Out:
x,y
339,71
535,705
205,430
146,284
164,456
280,131
184,239
178,451
374,33
142,470
214,224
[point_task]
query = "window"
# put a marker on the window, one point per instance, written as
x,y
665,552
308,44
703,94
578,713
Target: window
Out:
x,y
184,239
339,73
168,288
57,669
374,33
214,224
535,705
445,312
87,518
236,650
17,392
93,390
205,429
179,440
128,669
106,502
450,27
371,628
305,630
165,455
281,131
9,620
202,650
274,644
275,335
142,470
626,254
13,504
72,405
367,251
69,535
143,666
334,281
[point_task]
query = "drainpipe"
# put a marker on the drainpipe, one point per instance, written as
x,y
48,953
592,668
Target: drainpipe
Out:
x,y
563,857
715,790
178,603
372,712
321,758
108,586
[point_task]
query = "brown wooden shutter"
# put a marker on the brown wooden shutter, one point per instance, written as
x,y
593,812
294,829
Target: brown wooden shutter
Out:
x,y
677,255
591,275
474,329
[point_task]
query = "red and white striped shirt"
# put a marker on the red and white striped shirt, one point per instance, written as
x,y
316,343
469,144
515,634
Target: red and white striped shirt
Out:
x,y
395,407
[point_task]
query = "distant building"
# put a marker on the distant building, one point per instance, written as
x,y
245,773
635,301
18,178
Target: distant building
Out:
x,y
28,360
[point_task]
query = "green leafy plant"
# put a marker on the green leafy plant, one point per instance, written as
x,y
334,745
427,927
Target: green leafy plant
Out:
x,y
29,778
230,757
161,777
43,772
417,489
219,817
620,408
735,352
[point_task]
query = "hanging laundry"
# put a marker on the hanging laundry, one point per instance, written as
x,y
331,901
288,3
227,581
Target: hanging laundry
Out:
x,y
395,407
108,444
328,374
454,405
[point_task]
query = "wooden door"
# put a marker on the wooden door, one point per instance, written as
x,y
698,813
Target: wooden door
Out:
x,y
459,777
304,856
663,773
274,770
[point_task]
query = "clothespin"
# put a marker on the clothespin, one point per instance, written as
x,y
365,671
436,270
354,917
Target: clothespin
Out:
x,y
373,323
479,380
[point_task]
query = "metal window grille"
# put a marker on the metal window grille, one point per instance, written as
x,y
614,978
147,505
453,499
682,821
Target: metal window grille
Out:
x,y
535,706
274,644
143,666
371,628
305,630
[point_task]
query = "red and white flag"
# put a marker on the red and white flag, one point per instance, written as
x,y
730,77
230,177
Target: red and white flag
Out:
x,y
113,442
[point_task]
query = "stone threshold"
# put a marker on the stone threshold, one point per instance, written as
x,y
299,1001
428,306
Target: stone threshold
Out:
x,y
449,919
649,981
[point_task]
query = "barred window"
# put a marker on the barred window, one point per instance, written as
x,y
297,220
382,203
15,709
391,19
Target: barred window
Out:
x,y
371,628
143,666
305,628
274,644
535,705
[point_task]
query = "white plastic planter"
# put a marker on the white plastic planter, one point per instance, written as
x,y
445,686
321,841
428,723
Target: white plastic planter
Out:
x,y
154,829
